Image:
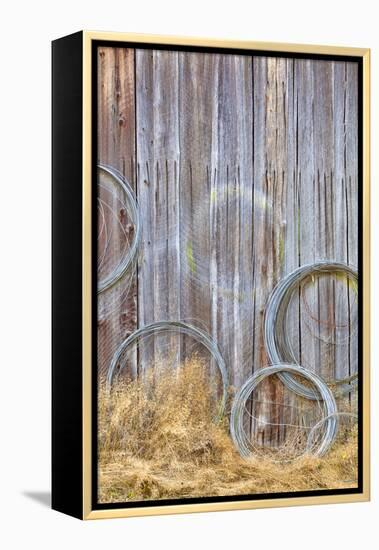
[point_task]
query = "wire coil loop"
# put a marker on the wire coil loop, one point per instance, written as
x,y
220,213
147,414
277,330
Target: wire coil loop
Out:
x,y
241,440
318,425
128,259
276,338
180,328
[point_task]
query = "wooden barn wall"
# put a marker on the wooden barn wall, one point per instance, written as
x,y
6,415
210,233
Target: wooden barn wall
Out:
x,y
244,169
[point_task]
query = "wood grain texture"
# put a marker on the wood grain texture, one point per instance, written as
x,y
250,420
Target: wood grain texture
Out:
x,y
352,186
158,192
196,81
323,110
215,181
117,316
246,168
275,220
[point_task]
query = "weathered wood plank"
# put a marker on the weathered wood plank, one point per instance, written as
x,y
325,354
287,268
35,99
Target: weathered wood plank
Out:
x,y
158,194
352,193
116,147
216,200
308,198
324,227
322,218
235,164
197,74
289,248
340,211
316,202
275,240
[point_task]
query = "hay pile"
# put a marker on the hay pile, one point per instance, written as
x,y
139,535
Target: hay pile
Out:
x,y
158,440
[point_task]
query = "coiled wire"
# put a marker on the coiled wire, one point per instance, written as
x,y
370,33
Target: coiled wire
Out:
x,y
129,258
276,339
181,328
318,425
240,439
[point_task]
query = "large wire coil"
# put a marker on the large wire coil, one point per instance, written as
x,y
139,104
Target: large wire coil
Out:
x,y
112,278
276,338
325,395
336,416
179,327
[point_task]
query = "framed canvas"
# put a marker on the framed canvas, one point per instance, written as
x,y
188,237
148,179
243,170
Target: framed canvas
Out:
x,y
210,275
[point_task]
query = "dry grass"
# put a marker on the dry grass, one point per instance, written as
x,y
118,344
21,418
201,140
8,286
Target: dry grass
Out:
x,y
158,440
